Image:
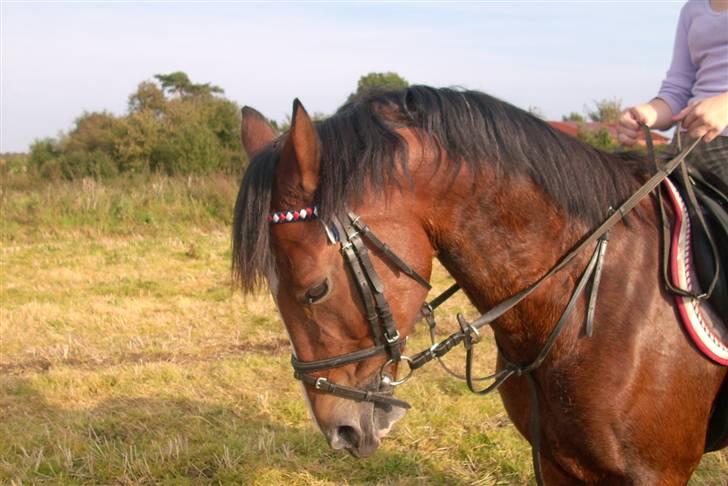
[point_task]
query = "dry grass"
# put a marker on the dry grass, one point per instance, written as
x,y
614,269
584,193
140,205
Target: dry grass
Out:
x,y
125,358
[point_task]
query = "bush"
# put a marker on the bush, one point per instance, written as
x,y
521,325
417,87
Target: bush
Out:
x,y
599,138
185,129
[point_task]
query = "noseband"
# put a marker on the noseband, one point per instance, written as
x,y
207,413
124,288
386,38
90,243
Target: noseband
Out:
x,y
349,230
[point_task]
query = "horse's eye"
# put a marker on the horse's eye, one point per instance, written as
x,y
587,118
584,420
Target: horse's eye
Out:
x,y
314,294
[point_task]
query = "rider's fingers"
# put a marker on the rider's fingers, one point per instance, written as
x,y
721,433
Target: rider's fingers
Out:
x,y
637,116
710,136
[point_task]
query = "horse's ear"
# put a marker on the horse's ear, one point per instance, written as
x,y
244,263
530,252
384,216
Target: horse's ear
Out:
x,y
300,158
255,131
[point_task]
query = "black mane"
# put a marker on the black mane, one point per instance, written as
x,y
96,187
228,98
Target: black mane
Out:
x,y
360,147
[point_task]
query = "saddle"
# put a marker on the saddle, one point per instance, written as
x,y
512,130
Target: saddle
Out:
x,y
712,203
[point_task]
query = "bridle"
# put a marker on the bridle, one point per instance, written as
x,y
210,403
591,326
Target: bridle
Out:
x,y
350,231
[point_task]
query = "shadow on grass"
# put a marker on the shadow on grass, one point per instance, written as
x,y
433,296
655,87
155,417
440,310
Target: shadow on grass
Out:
x,y
168,440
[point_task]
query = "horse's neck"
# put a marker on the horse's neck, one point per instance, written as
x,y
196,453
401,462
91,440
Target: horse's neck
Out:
x,y
498,241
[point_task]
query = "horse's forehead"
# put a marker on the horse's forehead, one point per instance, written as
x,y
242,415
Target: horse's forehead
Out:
x,y
301,252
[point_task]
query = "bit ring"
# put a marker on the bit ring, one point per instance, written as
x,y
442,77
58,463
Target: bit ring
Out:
x,y
401,380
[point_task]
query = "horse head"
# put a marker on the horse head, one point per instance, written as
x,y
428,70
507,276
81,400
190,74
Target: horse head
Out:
x,y
346,300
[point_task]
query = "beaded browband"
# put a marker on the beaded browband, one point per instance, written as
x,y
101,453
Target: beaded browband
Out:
x,y
289,216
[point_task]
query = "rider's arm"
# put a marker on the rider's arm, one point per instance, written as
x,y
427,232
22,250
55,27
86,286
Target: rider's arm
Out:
x,y
673,96
677,87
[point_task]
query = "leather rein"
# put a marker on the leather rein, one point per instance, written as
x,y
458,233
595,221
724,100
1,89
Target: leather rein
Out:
x,y
350,231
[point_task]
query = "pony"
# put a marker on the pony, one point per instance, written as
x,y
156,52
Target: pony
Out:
x,y
399,178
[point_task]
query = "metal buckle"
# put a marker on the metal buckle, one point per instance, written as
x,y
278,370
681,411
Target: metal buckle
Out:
x,y
389,380
428,314
320,382
473,330
392,339
355,220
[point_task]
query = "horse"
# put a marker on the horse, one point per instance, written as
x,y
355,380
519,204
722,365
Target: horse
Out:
x,y
498,197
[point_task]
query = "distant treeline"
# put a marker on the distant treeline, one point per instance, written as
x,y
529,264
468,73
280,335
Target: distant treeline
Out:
x,y
173,126
176,127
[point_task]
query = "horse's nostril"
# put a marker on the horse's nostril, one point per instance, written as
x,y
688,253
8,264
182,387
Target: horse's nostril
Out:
x,y
352,438
349,435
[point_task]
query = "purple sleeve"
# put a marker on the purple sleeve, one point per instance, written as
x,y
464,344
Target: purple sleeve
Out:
x,y
676,89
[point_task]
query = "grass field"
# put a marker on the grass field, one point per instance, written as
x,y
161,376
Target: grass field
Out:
x,y
127,358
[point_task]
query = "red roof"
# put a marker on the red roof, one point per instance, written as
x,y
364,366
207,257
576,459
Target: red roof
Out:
x,y
572,128
569,128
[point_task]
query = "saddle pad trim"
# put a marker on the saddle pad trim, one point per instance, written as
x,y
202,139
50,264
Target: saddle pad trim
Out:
x,y
692,312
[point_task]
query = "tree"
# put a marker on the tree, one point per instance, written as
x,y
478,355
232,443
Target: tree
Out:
x,y
574,117
607,110
179,84
176,127
378,81
148,96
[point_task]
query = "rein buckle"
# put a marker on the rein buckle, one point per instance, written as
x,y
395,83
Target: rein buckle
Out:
x,y
392,339
320,382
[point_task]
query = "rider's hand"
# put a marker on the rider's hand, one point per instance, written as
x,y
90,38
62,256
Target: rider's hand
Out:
x,y
706,118
628,126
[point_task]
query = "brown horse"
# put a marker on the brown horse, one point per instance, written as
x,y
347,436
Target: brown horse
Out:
x,y
498,197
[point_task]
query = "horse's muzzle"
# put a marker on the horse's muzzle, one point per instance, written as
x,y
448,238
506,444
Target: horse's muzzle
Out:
x,y
360,426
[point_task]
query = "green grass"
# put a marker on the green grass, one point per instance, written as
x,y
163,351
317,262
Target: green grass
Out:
x,y
126,358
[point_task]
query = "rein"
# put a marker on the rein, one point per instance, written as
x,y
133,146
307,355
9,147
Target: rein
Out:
x,y
349,231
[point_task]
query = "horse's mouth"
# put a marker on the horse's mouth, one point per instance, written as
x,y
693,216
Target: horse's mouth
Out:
x,y
364,451
361,438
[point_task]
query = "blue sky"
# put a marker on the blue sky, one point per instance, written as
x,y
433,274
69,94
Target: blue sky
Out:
x,y
61,58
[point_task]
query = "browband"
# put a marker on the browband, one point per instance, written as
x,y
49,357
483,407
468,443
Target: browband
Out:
x,y
292,216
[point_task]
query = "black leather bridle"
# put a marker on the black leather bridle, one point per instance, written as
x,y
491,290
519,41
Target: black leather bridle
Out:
x,y
349,231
